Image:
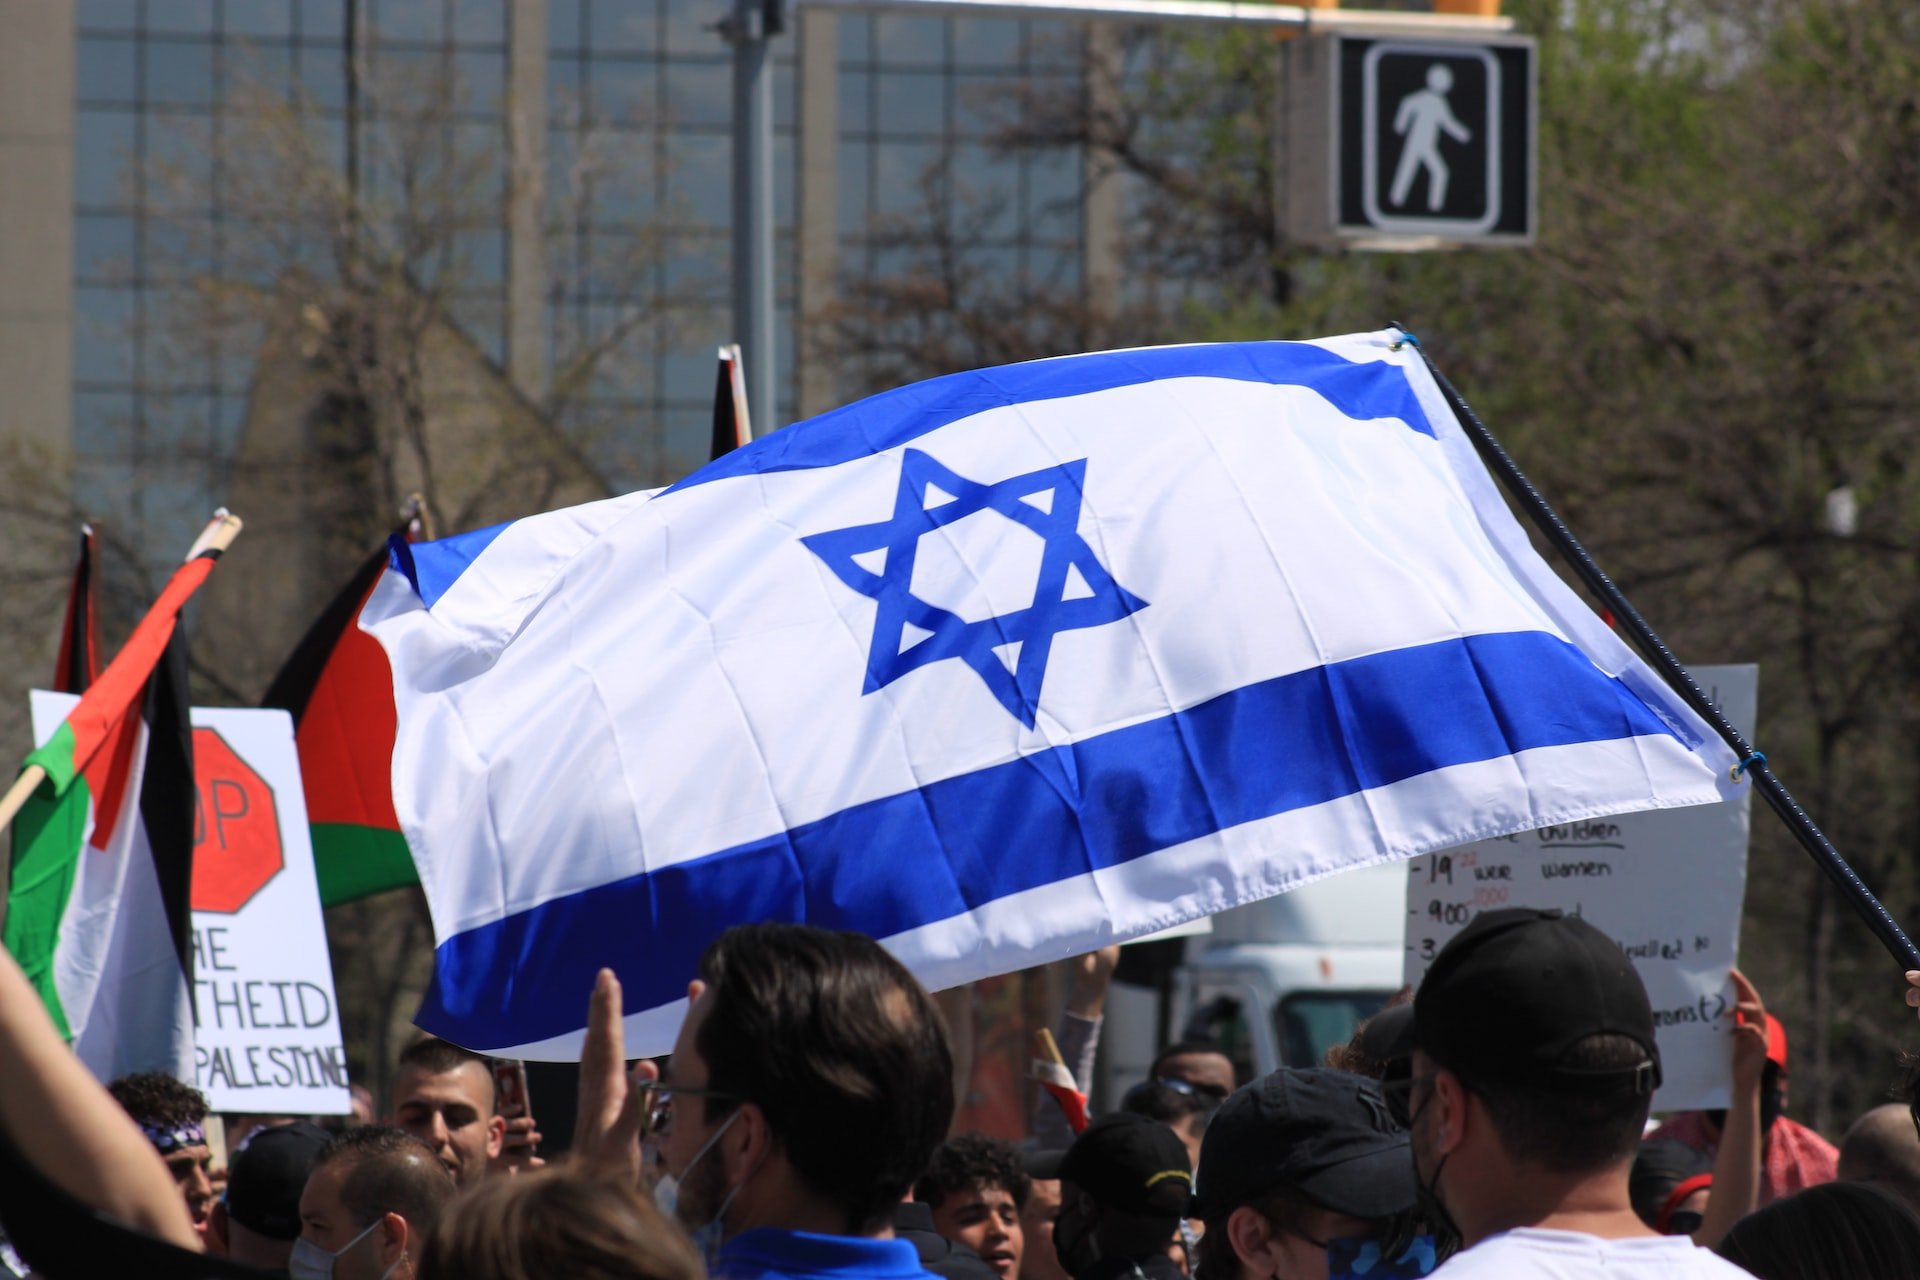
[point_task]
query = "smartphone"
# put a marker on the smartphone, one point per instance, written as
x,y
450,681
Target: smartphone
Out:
x,y
510,1088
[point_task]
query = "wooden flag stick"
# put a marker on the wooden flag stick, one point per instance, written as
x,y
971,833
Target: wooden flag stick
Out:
x,y
218,535
214,539
1049,1049
16,797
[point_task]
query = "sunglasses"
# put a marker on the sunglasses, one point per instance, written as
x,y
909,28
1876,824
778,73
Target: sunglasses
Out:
x,y
1211,1094
658,1105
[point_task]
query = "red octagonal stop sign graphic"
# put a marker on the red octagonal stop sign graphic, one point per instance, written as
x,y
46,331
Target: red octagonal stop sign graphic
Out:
x,y
236,829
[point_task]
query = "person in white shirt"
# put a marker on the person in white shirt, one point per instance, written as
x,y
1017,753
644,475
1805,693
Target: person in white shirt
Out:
x,y
1534,1064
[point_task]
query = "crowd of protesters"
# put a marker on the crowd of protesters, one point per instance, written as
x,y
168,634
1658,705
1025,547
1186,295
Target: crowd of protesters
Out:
x,y
1494,1124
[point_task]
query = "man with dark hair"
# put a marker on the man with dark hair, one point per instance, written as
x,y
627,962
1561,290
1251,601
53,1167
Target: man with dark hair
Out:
x,y
1200,1063
1294,1161
259,1219
443,1095
1180,1106
1038,1261
1124,1187
977,1189
371,1199
1534,1063
809,1085
173,1117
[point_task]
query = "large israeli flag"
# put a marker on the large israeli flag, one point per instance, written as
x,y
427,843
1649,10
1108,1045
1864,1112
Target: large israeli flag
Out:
x,y
996,668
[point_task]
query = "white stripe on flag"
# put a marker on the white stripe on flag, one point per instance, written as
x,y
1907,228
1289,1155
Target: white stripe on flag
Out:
x,y
1290,628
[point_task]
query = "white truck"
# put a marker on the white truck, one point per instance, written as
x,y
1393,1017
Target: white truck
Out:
x,y
1275,982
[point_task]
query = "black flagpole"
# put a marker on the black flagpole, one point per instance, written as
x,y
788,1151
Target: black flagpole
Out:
x,y
1655,651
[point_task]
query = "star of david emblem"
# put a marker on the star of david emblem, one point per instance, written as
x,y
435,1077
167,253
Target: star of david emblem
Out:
x,y
1007,647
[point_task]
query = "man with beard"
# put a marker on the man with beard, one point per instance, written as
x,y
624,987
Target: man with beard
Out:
x,y
1534,1064
1124,1187
808,1088
443,1095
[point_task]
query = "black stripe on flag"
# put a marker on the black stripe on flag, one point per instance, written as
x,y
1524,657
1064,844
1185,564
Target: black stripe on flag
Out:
x,y
74,670
167,795
293,687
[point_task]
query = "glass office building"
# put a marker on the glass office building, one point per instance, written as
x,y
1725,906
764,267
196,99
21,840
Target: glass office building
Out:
x,y
633,144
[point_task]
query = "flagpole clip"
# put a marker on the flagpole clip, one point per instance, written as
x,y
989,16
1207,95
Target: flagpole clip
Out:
x,y
1407,339
1758,757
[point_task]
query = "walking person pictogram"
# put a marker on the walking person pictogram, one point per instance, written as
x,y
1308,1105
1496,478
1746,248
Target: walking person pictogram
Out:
x,y
1421,118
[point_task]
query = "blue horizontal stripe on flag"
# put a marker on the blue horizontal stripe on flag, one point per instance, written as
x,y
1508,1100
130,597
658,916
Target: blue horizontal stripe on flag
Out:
x,y
1361,390
1268,748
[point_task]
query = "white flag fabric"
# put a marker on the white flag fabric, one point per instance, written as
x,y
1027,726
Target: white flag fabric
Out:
x,y
996,668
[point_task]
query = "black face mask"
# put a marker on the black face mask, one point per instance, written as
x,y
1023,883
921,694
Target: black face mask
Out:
x,y
1684,1223
1773,1104
1076,1248
1432,1210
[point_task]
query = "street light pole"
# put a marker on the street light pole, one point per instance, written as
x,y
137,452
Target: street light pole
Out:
x,y
746,29
750,25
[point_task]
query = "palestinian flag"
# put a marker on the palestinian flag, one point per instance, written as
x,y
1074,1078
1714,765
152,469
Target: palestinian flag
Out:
x,y
98,913
79,662
339,690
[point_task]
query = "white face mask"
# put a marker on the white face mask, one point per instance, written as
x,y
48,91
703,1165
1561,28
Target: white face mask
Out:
x,y
666,1195
310,1262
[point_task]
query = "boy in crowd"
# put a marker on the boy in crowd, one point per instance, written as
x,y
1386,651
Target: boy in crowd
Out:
x,y
173,1117
977,1190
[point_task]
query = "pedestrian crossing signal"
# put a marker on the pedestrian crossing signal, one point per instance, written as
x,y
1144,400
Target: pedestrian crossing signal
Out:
x,y
1404,143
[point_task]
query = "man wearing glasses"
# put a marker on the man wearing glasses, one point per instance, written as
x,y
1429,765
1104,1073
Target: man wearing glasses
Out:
x,y
808,1088
1182,1107
1198,1063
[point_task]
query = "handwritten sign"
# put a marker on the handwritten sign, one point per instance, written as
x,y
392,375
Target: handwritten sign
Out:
x,y
266,1024
1666,885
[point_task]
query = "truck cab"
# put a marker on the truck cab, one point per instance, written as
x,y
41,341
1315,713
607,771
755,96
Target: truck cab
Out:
x,y
1275,983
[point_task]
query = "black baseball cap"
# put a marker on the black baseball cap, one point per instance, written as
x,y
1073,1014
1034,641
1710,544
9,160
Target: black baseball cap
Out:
x,y
1514,991
1130,1163
1384,1037
1043,1166
267,1175
1327,1134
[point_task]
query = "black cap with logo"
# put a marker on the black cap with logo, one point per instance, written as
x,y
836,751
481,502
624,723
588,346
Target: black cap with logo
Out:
x,y
1130,1163
1327,1134
1514,991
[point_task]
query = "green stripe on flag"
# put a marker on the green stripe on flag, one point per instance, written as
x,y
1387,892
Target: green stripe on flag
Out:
x,y
352,861
56,757
47,837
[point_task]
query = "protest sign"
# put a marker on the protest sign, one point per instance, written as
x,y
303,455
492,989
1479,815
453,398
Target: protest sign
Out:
x,y
267,1031
1666,885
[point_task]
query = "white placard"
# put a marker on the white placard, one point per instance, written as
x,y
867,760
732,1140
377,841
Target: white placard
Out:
x,y
1666,885
268,1027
